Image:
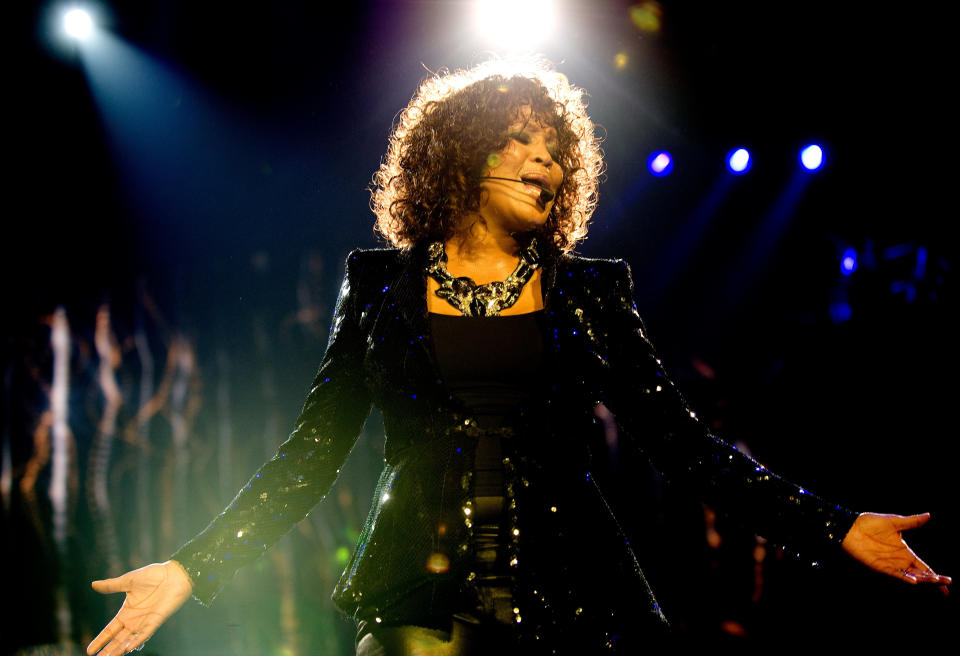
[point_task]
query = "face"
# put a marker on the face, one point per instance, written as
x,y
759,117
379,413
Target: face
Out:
x,y
529,158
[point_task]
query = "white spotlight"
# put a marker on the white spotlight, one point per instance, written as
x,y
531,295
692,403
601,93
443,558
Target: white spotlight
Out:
x,y
738,161
811,157
78,24
514,24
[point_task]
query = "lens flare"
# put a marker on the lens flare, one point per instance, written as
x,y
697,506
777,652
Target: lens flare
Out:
x,y
646,16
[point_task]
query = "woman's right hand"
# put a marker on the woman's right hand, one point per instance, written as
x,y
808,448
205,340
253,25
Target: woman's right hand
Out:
x,y
154,593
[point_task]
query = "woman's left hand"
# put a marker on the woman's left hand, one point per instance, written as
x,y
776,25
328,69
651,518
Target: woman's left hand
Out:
x,y
876,541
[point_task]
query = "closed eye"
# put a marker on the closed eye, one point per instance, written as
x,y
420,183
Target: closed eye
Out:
x,y
553,148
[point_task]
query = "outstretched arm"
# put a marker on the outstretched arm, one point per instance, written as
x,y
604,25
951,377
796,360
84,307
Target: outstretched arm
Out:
x,y
652,412
877,542
279,494
674,440
304,468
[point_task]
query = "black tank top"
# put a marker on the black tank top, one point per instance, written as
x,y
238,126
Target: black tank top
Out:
x,y
492,364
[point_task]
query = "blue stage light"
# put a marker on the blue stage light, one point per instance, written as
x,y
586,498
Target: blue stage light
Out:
x,y
848,263
811,157
660,163
739,161
840,311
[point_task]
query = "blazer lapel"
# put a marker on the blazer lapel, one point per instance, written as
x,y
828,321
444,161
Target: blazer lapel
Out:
x,y
548,277
410,291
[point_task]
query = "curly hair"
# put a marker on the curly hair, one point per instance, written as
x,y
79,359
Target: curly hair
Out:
x,y
430,176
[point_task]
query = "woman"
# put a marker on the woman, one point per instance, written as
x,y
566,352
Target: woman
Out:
x,y
487,345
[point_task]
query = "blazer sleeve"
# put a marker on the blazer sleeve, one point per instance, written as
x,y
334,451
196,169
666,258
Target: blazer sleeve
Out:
x,y
652,411
303,469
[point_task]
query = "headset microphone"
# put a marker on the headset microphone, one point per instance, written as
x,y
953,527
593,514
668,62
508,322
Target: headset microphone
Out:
x,y
546,195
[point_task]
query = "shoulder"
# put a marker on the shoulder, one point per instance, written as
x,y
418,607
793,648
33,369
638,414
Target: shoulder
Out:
x,y
364,263
609,271
374,256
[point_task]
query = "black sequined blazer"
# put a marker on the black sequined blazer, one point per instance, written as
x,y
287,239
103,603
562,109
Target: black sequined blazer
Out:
x,y
577,581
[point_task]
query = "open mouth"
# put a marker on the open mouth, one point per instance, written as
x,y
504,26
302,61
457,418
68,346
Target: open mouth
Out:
x,y
539,187
536,180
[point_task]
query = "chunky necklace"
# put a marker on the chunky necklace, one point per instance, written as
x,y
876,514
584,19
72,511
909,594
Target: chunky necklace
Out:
x,y
475,300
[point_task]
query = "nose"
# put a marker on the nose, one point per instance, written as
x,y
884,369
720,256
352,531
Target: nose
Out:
x,y
539,152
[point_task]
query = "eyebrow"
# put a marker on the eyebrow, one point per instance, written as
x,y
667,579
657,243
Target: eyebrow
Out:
x,y
533,126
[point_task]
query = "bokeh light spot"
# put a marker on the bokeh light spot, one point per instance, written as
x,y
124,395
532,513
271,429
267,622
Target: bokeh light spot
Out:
x,y
438,563
493,160
620,60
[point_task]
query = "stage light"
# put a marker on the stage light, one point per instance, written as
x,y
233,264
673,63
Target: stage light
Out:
x,y
840,311
514,24
848,263
660,163
78,24
811,157
739,161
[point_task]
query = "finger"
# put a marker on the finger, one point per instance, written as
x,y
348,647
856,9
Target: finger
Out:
x,y
910,521
923,577
119,646
109,586
904,575
112,628
920,568
125,642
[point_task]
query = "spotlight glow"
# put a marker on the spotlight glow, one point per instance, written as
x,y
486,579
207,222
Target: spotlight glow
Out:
x,y
739,161
514,24
811,157
660,163
78,24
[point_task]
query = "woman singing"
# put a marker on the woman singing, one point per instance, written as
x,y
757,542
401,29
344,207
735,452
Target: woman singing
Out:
x,y
486,344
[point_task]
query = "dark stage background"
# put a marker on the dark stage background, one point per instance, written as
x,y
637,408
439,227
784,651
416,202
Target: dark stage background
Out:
x,y
192,181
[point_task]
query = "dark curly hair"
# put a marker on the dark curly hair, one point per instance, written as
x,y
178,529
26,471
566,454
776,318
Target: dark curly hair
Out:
x,y
430,176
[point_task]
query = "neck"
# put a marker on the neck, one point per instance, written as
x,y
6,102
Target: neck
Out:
x,y
482,245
